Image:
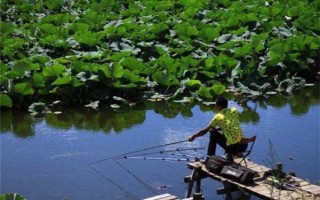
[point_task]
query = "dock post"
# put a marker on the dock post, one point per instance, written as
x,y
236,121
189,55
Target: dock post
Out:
x,y
228,189
195,176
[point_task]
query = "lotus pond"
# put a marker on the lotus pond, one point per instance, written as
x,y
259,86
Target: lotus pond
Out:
x,y
47,157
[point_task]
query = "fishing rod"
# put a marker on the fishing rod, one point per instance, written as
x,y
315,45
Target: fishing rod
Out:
x,y
166,159
168,151
137,151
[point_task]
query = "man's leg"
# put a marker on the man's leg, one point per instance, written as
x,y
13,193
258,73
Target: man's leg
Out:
x,y
236,148
216,137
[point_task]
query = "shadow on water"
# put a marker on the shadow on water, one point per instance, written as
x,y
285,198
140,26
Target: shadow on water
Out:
x,y
21,123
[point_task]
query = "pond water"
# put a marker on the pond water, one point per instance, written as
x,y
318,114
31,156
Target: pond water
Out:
x,y
52,157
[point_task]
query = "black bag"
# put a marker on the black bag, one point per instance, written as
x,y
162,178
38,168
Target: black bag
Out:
x,y
216,163
238,173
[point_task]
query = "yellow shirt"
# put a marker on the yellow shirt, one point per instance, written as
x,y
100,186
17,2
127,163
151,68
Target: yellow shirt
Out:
x,y
228,120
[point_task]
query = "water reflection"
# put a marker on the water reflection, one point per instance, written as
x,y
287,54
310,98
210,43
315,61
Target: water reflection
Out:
x,y
22,123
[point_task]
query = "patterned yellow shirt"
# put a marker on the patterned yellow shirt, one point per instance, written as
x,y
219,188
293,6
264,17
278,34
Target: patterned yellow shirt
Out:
x,y
228,120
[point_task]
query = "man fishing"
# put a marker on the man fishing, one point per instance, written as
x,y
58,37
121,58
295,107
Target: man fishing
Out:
x,y
225,130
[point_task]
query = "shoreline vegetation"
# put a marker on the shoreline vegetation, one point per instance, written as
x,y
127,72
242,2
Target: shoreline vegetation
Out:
x,y
21,123
106,52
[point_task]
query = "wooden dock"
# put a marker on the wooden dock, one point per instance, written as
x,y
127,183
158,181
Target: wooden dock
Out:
x,y
304,190
168,196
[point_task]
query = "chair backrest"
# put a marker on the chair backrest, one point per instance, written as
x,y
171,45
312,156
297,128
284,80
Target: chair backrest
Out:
x,y
251,140
247,152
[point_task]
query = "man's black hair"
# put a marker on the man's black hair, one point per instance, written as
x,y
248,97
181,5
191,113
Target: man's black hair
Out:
x,y
222,102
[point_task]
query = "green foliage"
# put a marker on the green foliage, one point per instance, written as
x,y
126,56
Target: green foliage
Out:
x,y
5,101
13,196
52,49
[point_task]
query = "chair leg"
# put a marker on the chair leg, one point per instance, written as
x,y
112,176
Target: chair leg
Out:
x,y
243,160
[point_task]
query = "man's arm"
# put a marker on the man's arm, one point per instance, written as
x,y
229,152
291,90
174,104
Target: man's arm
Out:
x,y
200,133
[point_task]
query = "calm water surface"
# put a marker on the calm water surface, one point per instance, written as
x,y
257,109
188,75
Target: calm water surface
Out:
x,y
49,157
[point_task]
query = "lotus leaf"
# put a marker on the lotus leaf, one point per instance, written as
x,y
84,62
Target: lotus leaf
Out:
x,y
62,80
23,88
205,92
132,63
5,101
54,71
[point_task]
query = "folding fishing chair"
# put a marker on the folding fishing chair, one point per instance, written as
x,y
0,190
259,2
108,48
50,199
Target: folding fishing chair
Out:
x,y
247,152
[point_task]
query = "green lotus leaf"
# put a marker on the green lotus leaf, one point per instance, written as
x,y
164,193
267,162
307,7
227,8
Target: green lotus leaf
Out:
x,y
132,63
53,5
277,53
295,11
25,64
3,67
40,59
233,20
218,88
81,27
189,13
157,28
244,50
75,82
193,83
7,27
5,101
193,3
58,19
47,28
38,80
205,92
209,33
53,71
168,63
116,57
94,18
258,41
88,38
11,45
3,79
113,70
211,75
249,18
132,77
162,78
190,61
186,30
62,80
23,88
55,41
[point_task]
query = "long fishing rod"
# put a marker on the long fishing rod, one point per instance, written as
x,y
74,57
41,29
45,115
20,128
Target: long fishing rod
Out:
x,y
169,151
154,147
166,159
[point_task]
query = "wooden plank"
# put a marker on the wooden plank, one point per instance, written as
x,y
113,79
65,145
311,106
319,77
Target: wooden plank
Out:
x,y
165,196
313,189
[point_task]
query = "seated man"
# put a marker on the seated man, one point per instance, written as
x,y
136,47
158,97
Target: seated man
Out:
x,y
227,120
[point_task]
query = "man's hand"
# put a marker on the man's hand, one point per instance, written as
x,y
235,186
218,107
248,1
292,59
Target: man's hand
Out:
x,y
191,138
